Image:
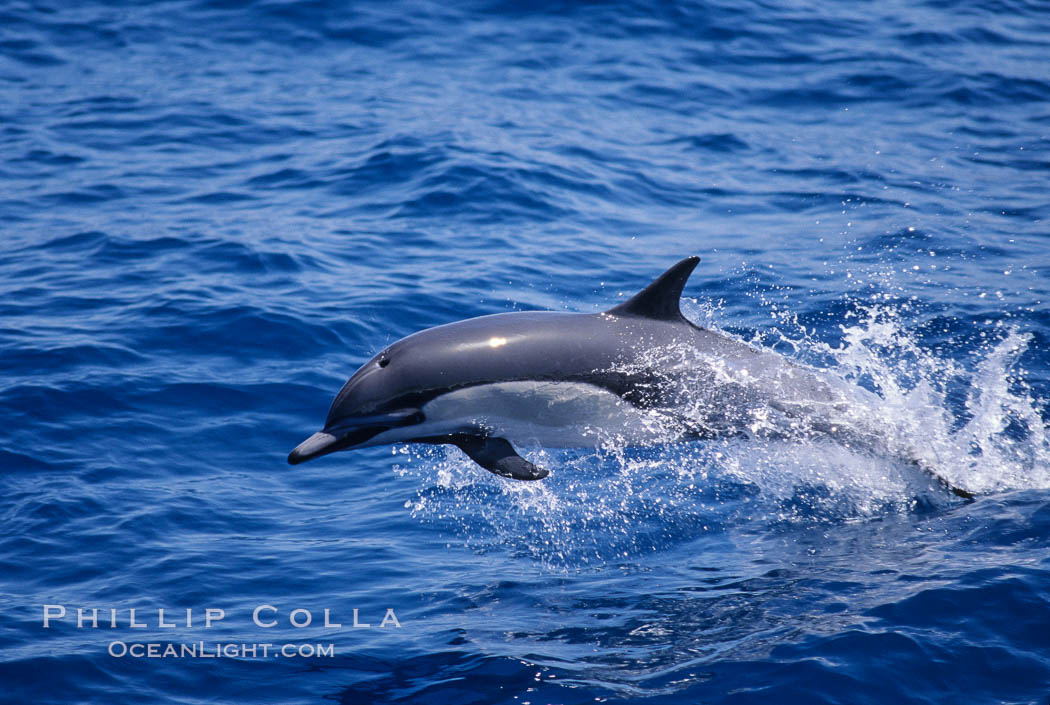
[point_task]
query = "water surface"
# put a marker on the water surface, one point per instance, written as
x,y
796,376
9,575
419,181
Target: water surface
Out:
x,y
213,212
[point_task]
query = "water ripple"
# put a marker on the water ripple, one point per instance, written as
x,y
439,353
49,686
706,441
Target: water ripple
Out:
x,y
213,211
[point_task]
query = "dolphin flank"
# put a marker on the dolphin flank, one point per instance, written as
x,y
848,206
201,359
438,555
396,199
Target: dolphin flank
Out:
x,y
639,372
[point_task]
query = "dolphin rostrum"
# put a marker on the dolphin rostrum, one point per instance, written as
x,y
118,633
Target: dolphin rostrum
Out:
x,y
639,373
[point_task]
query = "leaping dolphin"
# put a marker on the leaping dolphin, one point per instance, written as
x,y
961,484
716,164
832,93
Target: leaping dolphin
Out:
x,y
639,372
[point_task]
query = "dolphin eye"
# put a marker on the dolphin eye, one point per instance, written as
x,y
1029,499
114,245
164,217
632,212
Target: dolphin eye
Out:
x,y
384,362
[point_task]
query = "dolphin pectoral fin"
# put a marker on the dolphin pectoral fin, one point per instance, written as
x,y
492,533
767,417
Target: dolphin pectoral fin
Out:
x,y
498,456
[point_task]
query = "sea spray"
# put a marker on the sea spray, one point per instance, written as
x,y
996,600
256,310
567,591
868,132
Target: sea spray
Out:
x,y
619,502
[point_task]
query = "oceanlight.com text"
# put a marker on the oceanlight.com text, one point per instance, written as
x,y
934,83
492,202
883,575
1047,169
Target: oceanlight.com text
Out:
x,y
201,649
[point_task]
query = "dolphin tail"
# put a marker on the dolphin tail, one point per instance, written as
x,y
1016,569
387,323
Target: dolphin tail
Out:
x,y
954,489
930,469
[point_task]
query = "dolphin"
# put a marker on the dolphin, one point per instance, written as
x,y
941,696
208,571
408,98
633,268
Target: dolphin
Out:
x,y
640,373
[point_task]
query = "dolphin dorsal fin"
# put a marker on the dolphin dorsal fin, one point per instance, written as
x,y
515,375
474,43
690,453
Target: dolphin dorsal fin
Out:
x,y
659,300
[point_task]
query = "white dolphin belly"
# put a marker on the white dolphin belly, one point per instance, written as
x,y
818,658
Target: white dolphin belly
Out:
x,y
552,414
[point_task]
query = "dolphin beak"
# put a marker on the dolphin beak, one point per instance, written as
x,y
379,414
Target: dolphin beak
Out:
x,y
351,432
320,443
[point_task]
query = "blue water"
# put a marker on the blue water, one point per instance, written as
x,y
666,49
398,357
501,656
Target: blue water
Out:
x,y
213,212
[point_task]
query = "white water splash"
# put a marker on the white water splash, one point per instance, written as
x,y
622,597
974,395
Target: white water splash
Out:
x,y
996,440
975,425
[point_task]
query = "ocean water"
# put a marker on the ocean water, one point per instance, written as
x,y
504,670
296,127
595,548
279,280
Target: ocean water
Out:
x,y
211,212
